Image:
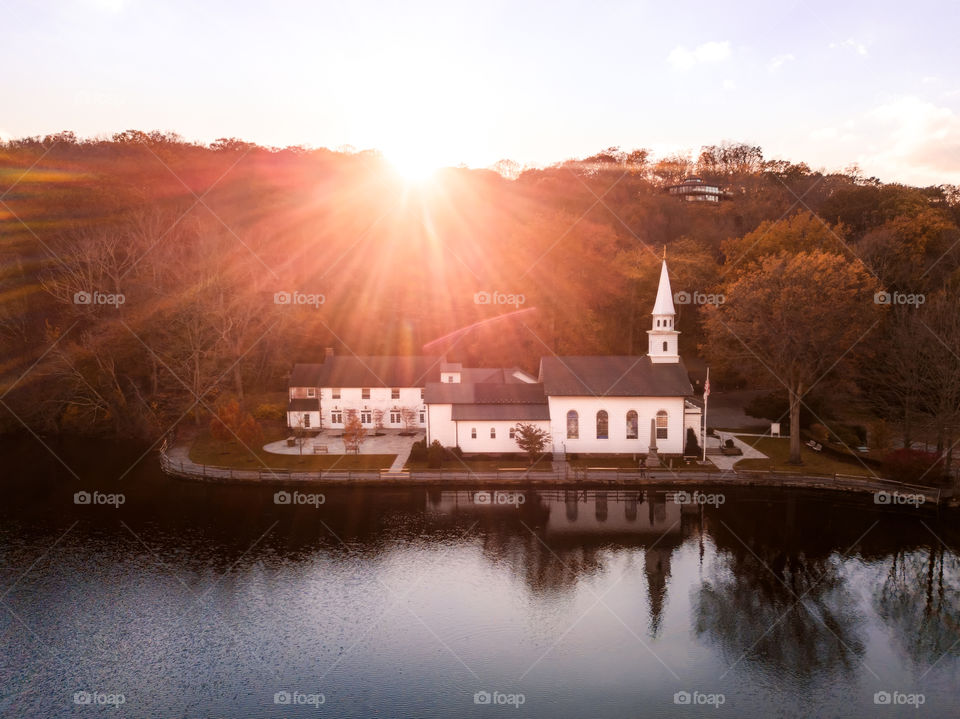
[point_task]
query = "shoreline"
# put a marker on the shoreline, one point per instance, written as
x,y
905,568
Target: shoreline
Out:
x,y
585,479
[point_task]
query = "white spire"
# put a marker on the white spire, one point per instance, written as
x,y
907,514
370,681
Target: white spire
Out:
x,y
662,337
664,303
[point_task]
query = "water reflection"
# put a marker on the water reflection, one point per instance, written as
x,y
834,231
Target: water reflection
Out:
x,y
779,599
567,532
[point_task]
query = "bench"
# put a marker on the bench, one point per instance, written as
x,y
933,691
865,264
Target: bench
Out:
x,y
291,441
320,449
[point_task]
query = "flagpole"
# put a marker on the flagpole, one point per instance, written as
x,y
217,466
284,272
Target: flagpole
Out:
x,y
706,394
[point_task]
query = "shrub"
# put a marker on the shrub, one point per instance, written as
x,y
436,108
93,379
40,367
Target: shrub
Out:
x,y
729,443
692,446
846,435
914,465
435,455
820,433
418,452
269,411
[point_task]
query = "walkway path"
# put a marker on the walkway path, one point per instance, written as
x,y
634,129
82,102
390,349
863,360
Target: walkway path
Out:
x,y
726,463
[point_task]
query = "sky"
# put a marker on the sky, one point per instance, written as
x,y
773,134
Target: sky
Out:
x,y
831,83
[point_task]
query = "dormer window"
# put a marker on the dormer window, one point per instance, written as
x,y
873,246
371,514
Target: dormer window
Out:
x,y
311,391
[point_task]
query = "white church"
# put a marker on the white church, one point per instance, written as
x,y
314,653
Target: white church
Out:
x,y
587,404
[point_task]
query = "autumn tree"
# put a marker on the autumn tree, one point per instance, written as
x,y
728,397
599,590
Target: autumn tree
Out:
x,y
354,433
531,439
793,319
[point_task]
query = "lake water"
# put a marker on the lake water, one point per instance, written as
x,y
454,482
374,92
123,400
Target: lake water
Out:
x,y
193,600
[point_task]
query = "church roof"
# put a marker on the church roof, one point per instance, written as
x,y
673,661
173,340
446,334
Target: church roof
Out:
x,y
664,303
486,393
613,376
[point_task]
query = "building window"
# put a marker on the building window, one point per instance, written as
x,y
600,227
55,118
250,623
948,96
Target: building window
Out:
x,y
602,424
423,394
493,433
423,417
473,433
661,424
394,393
306,420
336,417
365,416
513,433
664,346
311,391
365,393
573,425
335,393
632,425
394,418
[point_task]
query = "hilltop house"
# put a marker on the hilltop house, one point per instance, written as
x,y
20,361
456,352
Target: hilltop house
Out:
x,y
588,405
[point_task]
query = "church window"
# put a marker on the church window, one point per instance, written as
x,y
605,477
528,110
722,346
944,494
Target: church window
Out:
x,y
661,424
632,425
573,425
602,424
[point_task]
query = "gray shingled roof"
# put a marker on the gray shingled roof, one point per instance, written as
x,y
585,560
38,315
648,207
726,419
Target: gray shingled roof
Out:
x,y
485,393
614,376
305,375
304,405
379,371
518,412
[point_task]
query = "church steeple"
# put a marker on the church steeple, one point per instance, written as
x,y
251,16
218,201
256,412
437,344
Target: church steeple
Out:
x,y
662,337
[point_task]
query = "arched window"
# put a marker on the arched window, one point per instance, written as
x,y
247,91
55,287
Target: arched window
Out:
x,y
661,424
573,424
632,425
602,424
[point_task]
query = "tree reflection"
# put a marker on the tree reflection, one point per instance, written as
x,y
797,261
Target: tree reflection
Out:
x,y
919,600
776,601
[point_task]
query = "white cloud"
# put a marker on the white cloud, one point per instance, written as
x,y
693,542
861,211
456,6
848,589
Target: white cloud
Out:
x,y
683,58
779,61
852,44
915,140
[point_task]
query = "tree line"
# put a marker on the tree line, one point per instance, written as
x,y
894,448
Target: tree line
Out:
x,y
146,278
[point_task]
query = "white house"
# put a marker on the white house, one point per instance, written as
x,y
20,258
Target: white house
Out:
x,y
387,388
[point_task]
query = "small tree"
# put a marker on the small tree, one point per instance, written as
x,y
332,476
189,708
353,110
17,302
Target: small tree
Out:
x,y
232,424
531,439
354,433
409,417
378,421
228,419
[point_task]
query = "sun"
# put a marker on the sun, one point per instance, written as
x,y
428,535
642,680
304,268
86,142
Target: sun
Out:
x,y
413,165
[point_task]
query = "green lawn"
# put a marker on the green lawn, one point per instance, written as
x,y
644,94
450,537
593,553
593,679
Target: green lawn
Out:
x,y
481,465
207,450
778,452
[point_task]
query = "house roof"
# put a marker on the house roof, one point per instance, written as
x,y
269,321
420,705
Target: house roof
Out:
x,y
500,411
613,376
304,405
486,393
305,375
379,371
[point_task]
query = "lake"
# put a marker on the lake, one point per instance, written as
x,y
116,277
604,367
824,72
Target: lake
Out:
x,y
154,597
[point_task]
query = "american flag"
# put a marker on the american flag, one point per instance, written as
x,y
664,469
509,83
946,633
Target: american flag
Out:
x,y
706,386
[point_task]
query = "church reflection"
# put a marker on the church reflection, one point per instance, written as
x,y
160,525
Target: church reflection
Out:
x,y
567,533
